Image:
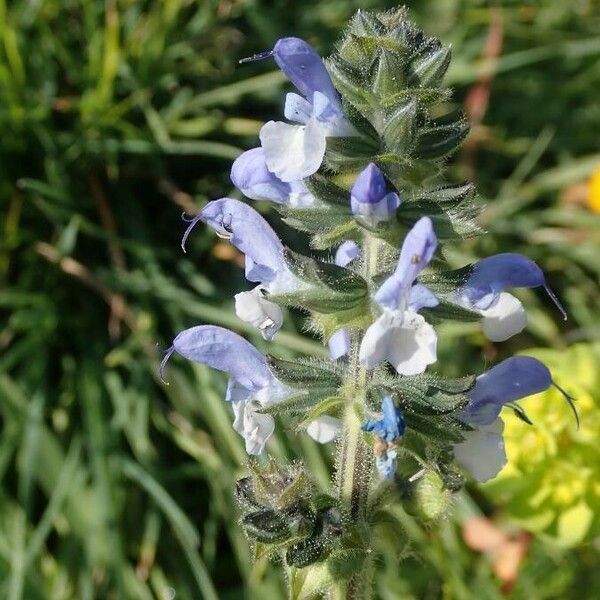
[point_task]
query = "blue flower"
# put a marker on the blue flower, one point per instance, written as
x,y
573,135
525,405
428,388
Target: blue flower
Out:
x,y
400,335
484,292
482,452
339,342
390,427
251,384
369,198
293,152
249,173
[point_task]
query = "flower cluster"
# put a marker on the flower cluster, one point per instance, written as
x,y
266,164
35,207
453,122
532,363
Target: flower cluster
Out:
x,y
376,303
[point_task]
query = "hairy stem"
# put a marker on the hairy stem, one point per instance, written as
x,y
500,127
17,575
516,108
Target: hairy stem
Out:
x,y
355,457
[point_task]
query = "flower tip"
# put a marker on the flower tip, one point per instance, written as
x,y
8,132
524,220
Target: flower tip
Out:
x,y
255,57
163,363
192,224
556,301
570,401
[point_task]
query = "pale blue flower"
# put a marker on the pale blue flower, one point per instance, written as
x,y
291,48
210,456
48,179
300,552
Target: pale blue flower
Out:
x,y
400,335
369,198
482,452
251,384
250,233
294,152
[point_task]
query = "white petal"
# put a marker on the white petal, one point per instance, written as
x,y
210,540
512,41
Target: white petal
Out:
x,y
297,108
339,343
505,318
374,345
324,429
403,338
252,307
293,152
482,452
254,427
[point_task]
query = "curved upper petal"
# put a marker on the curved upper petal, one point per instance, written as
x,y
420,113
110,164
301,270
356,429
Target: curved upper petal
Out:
x,y
226,351
512,379
304,68
293,152
250,175
417,251
250,233
495,274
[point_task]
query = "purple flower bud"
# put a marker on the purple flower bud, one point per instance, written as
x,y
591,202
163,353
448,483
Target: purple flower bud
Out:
x,y
369,199
250,175
494,274
417,251
512,379
391,426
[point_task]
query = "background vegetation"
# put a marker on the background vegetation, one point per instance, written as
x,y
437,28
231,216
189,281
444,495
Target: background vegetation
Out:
x,y
117,116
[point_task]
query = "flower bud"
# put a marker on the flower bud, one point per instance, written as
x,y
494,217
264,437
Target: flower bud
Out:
x,y
368,197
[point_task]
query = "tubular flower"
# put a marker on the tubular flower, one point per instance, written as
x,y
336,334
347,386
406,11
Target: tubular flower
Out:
x,y
250,233
294,152
251,384
369,198
484,292
482,452
400,335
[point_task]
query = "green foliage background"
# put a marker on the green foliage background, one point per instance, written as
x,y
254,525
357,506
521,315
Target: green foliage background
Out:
x,y
116,116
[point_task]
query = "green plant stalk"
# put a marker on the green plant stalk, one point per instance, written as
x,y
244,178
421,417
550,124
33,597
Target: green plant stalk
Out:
x,y
355,457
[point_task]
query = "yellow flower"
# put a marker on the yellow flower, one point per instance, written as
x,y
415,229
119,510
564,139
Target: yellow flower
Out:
x,y
593,192
550,484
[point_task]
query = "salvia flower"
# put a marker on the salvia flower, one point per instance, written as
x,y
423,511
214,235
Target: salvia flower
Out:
x,y
400,335
369,198
484,292
251,384
294,152
388,429
482,452
249,173
250,233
